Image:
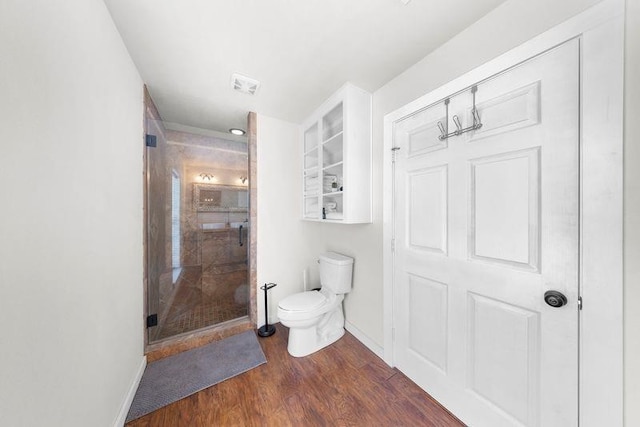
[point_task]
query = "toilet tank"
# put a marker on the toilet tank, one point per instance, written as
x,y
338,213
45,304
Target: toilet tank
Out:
x,y
336,272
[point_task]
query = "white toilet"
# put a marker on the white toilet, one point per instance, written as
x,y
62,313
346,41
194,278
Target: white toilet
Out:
x,y
315,318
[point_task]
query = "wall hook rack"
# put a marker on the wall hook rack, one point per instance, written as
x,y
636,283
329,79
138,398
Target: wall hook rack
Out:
x,y
444,128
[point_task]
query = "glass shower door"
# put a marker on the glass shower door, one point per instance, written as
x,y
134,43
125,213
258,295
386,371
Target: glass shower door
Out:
x,y
197,231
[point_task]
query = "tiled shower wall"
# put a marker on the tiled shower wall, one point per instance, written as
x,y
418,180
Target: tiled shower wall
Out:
x,y
190,156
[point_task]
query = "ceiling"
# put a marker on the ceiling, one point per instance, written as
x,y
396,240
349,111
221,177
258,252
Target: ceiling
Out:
x,y
300,50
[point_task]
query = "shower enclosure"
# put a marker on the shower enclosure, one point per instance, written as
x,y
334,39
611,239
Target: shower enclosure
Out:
x,y
197,229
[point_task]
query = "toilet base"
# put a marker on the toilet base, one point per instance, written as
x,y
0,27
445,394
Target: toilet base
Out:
x,y
297,350
305,341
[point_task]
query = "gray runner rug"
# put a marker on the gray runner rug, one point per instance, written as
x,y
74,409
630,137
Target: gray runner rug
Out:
x,y
175,377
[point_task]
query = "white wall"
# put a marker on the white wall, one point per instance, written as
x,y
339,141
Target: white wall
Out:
x,y
285,242
70,215
362,242
632,215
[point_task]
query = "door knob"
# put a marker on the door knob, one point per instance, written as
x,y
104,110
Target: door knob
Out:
x,y
555,299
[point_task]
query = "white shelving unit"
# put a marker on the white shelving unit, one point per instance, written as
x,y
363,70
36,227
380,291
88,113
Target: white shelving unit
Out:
x,y
337,159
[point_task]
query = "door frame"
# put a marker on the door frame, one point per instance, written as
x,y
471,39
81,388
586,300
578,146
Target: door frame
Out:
x,y
600,30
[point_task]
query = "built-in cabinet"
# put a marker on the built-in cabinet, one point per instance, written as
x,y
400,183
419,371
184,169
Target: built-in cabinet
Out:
x,y
337,159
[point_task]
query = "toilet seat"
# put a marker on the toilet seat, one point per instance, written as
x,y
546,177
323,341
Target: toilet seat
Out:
x,y
303,301
307,305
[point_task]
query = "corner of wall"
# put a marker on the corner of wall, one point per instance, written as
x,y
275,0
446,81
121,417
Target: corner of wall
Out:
x,y
632,215
121,418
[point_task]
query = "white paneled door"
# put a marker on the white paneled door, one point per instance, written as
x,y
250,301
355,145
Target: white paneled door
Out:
x,y
486,222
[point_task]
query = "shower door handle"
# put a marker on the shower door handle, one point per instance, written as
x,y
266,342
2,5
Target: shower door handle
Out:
x,y
240,235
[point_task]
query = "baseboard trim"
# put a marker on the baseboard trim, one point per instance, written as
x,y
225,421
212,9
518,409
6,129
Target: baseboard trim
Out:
x,y
124,409
364,339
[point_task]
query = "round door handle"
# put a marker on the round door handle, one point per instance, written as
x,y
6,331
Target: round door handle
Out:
x,y
555,299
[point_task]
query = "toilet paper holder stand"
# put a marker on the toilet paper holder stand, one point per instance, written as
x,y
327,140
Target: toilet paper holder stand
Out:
x,y
266,330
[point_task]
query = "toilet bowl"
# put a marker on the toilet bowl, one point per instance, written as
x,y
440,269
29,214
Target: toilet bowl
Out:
x,y
315,318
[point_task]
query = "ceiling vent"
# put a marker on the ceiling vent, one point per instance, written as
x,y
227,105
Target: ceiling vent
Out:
x,y
244,84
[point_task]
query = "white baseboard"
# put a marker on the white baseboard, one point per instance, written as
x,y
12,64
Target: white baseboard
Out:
x,y
364,339
124,409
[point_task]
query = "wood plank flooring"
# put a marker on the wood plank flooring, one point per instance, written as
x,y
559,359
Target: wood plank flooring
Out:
x,y
344,384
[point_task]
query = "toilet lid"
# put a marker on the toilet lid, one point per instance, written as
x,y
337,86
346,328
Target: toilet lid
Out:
x,y
303,301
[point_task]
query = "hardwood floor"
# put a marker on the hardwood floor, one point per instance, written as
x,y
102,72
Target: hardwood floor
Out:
x,y
344,384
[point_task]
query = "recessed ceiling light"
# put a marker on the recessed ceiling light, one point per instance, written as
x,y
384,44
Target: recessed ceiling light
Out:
x,y
236,131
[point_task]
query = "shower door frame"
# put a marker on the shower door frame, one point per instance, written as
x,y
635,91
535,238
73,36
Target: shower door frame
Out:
x,y
202,335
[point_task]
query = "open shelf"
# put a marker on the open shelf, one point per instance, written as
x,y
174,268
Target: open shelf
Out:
x,y
333,205
312,171
337,150
311,138
333,151
311,209
333,138
311,183
311,159
332,122
333,168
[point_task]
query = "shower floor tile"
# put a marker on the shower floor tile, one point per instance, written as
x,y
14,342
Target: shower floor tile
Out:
x,y
219,294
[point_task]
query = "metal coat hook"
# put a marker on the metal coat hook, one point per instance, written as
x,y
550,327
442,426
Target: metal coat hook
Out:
x,y
456,121
444,129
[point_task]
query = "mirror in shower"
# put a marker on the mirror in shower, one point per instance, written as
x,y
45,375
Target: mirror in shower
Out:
x,y
220,198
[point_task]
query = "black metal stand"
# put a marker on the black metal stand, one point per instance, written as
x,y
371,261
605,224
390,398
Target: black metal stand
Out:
x,y
267,330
